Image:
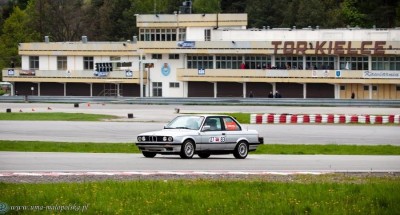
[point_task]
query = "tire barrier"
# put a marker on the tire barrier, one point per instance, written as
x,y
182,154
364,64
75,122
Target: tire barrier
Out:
x,y
272,118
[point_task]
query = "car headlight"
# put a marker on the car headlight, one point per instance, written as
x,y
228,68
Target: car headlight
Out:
x,y
164,139
139,138
170,139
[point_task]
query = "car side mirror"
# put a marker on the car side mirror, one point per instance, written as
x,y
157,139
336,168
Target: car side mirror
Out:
x,y
206,128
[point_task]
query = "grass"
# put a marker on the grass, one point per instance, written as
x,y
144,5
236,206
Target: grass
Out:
x,y
371,196
42,146
55,116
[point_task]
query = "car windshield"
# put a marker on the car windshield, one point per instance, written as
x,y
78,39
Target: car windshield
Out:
x,y
186,122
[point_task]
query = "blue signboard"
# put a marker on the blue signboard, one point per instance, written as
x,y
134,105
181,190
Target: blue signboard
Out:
x,y
186,44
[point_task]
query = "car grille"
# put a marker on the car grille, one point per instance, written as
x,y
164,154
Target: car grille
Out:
x,y
154,139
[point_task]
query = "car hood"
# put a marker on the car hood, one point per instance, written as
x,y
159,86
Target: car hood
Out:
x,y
170,132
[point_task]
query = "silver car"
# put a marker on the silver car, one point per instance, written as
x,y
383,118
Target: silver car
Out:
x,y
202,135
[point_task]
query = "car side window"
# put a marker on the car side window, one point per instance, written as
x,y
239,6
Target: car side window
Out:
x,y
230,124
214,124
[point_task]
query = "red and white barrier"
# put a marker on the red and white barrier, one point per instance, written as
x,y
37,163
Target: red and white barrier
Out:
x,y
271,118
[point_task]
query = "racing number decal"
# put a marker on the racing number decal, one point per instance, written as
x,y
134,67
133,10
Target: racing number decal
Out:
x,y
217,139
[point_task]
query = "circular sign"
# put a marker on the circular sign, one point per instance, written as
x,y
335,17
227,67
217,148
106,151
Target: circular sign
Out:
x,y
165,70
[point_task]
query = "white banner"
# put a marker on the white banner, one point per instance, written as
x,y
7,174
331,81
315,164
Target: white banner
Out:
x,y
381,74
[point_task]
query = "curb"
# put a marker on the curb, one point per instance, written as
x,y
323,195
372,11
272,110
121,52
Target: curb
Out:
x,y
272,118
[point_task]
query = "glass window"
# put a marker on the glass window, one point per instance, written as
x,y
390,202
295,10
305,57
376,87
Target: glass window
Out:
x,y
289,62
200,61
385,63
61,62
87,63
173,84
230,124
182,34
173,56
214,124
156,56
207,35
228,62
33,62
157,89
257,62
354,63
321,63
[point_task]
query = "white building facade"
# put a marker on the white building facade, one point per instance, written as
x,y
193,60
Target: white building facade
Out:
x,y
215,55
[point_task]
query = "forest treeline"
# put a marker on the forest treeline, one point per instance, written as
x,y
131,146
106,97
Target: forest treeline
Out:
x,y
114,20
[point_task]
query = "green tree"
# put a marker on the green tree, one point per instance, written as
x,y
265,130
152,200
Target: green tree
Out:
x,y
265,13
16,30
351,14
206,6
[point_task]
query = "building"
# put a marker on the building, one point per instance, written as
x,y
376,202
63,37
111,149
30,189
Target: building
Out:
x,y
215,55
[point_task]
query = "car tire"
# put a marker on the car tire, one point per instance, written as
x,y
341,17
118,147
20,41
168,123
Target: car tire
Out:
x,y
187,150
204,155
149,154
241,150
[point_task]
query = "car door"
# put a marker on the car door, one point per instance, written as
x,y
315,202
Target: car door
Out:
x,y
213,135
232,131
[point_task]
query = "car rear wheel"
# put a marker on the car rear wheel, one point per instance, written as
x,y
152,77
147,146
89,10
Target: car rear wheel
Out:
x,y
241,150
187,150
149,154
204,155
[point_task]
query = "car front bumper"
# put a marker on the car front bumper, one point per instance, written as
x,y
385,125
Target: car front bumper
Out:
x,y
161,148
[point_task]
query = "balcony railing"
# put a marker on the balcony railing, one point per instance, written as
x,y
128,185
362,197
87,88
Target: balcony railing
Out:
x,y
290,75
72,74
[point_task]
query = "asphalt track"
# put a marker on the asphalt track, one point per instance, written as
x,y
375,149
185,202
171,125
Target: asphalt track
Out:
x,y
153,117
111,162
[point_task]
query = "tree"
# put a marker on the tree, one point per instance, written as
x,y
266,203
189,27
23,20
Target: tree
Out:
x,y
16,30
265,13
59,19
206,6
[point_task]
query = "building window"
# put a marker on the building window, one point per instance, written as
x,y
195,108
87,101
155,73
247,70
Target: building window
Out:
x,y
342,87
397,87
200,61
87,63
33,62
182,34
374,88
228,62
61,62
162,34
354,63
288,62
173,84
156,56
320,62
366,88
385,63
258,62
173,56
207,35
157,89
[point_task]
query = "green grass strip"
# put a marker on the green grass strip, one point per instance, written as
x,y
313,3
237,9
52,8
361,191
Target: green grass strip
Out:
x,y
55,116
330,149
42,146
375,196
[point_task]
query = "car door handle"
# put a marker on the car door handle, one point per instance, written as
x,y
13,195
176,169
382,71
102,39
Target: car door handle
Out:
x,y
223,133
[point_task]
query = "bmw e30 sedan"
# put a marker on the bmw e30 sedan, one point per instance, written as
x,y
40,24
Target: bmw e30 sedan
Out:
x,y
203,135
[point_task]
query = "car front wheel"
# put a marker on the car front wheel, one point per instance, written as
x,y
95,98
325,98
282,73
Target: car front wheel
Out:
x,y
241,150
149,154
187,150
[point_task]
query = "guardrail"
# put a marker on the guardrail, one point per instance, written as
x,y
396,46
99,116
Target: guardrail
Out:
x,y
205,101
